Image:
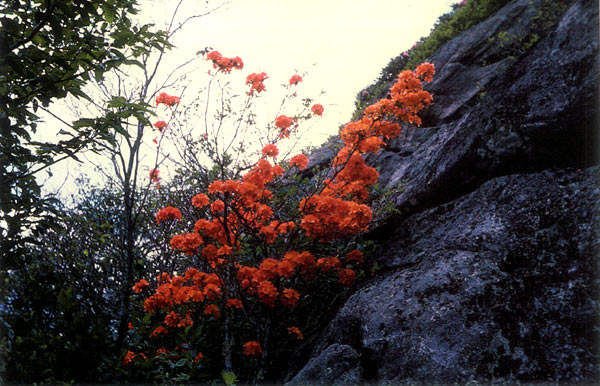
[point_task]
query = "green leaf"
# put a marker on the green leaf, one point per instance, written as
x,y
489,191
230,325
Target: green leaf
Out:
x,y
117,102
84,122
229,377
108,13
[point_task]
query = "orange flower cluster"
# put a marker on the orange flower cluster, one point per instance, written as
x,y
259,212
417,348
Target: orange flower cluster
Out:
x,y
188,243
270,150
337,210
166,213
317,109
355,256
167,99
295,79
194,287
255,81
283,122
140,286
234,303
252,348
200,200
130,356
289,297
173,319
154,175
160,125
300,160
212,310
347,277
224,64
327,218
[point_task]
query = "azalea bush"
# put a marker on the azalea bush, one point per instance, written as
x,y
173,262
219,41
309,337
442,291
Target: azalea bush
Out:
x,y
270,243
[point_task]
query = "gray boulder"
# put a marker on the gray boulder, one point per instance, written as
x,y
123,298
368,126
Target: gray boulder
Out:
x,y
489,269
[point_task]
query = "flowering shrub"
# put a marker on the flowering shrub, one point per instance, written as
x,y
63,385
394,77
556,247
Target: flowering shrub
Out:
x,y
260,244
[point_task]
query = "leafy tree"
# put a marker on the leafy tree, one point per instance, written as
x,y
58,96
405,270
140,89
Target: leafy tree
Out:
x,y
52,50
49,50
62,310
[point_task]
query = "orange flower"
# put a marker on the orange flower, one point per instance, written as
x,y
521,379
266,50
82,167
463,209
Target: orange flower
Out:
x,y
326,264
198,357
252,348
128,357
224,64
166,213
187,321
140,285
267,293
212,310
158,331
355,255
289,297
130,326
200,200
235,303
270,150
269,268
172,319
154,175
256,82
425,71
167,99
295,79
347,277
217,206
188,243
283,121
300,160
296,332
317,109
160,125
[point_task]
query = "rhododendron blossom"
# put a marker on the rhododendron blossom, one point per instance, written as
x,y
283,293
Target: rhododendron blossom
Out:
x,y
317,109
355,256
256,82
295,79
224,64
140,286
270,150
235,303
252,348
167,99
213,311
200,200
128,357
283,122
154,175
168,212
187,243
347,277
160,125
300,160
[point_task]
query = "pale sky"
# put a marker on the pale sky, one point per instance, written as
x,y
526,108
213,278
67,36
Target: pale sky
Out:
x,y
341,44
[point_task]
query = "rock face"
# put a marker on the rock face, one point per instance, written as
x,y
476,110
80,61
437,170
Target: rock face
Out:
x,y
490,272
